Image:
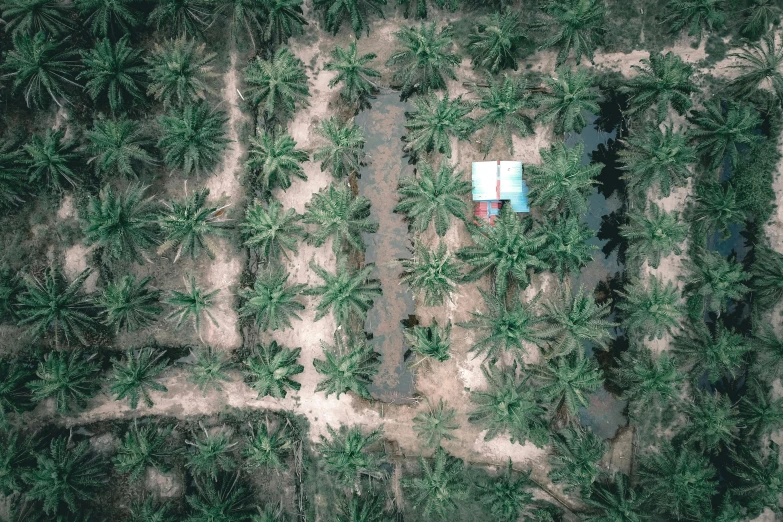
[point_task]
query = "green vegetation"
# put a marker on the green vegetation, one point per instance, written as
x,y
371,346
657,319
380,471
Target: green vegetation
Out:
x,y
503,103
435,424
338,214
346,293
270,368
272,302
496,41
429,342
274,160
663,81
433,273
350,365
114,73
135,376
424,62
574,25
568,95
358,79
562,183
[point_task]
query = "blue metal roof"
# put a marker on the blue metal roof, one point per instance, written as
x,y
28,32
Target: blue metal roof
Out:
x,y
500,181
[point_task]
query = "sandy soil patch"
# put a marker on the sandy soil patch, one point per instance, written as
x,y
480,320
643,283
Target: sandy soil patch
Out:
x,y
76,258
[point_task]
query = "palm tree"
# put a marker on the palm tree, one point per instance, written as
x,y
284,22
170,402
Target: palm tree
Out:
x,y
424,60
651,310
353,11
281,19
182,17
367,507
767,277
33,16
220,500
508,405
723,127
420,9
113,72
274,159
433,273
350,365
656,158
569,95
14,395
433,197
271,231
617,502
504,495
713,421
575,458
54,304
429,342
71,378
573,24
566,249
434,121
52,160
440,487
562,184
760,66
187,225
149,446
343,154
762,14
122,225
246,18
768,347
129,305
496,40
571,320
109,17
13,174
716,207
759,412
504,102
212,453
149,510
507,250
435,424
192,303
353,72
278,86
118,147
64,476
565,383
697,15
508,324
718,353
14,458
663,81
336,212
653,236
647,380
345,454
346,293
193,138
268,447
208,369
272,302
179,71
713,280
760,477
270,368
136,374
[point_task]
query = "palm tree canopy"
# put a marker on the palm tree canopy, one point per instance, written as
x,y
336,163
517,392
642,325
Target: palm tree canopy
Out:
x,y
192,304
722,129
571,320
615,502
435,424
353,72
212,453
714,280
33,16
113,72
562,183
135,375
569,95
193,138
118,147
662,81
148,446
208,369
274,159
336,212
345,453
270,368
651,310
647,380
109,17
52,160
495,42
130,305
767,277
343,153
768,347
716,206
71,378
718,353
280,19
505,495
433,273
272,302
346,293
182,17
271,230
566,250
713,421
354,11
189,223
696,15
758,18
278,86
440,487
434,121
268,446
179,71
575,458
424,61
578,25
760,478
13,174
221,500
349,366
504,103
565,383
760,66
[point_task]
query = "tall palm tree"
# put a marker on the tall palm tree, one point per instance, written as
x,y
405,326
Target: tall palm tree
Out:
x,y
246,19
122,225
566,249
338,214
767,277
718,132
187,225
346,293
575,458
495,42
759,412
41,68
657,158
270,368
760,478
343,153
433,197
571,320
760,66
272,302
107,18
353,72
32,16
718,353
182,17
345,454
129,305
222,500
118,147
504,103
565,383
440,487
13,174
14,393
281,19
647,381
508,404
713,280
424,60
193,138
569,94
435,424
179,71
504,495
651,310
662,81
562,183
268,446
212,453
274,159
113,72
71,378
353,11
768,347
192,304
136,375
713,421
433,123
349,366
52,160
278,86
148,446
271,231
209,369
715,207
696,15
432,273
617,502
576,25
507,250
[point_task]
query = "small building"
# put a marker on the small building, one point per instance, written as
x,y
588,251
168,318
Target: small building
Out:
x,y
496,182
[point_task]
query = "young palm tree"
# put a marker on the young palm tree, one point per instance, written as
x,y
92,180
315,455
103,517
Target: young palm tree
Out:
x,y
653,236
433,123
432,273
713,422
429,342
569,95
64,477
353,72
71,378
187,225
270,368
768,347
109,17
181,17
336,212
209,369
575,459
715,207
696,15
14,395
354,11
349,366
122,225
135,375
221,500
656,158
571,320
505,496
719,353
495,42
268,447
149,446
713,280
433,197
562,183
192,303
718,133
32,16
648,381
435,424
271,231
52,160
278,86
424,60
13,174
150,510
118,147
566,249
193,138
651,310
130,305
760,477
760,66
767,277
509,405
367,507
343,154
504,103
440,487
272,302
179,71
346,293
760,414
617,502
507,250
54,304
663,81
573,24
564,383
345,454
274,159
113,72
212,453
